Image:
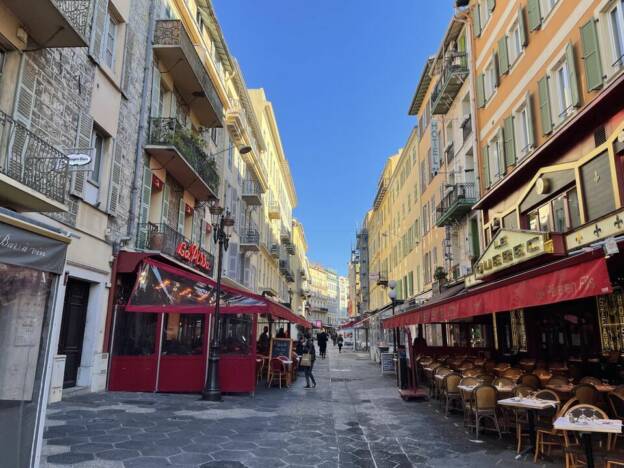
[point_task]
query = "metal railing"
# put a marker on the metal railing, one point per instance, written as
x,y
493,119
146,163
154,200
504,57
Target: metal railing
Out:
x,y
466,128
454,64
32,161
275,250
250,235
459,193
170,132
251,188
163,238
76,12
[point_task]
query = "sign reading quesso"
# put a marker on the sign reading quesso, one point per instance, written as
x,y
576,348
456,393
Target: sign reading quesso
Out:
x,y
79,159
511,248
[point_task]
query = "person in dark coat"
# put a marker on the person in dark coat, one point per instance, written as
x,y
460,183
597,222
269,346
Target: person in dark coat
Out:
x,y
281,333
300,346
340,341
309,348
322,342
264,342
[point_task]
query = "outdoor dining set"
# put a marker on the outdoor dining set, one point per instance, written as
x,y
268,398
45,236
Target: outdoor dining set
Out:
x,y
551,411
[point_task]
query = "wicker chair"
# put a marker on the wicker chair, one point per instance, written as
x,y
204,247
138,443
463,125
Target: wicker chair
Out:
x,y
616,407
259,369
591,381
557,380
486,378
485,398
575,455
513,374
277,370
549,437
450,392
437,383
586,394
530,380
467,398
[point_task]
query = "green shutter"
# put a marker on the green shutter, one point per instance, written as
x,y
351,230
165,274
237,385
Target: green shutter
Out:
x,y
500,142
476,21
529,108
115,188
146,195
481,90
591,55
544,100
509,141
496,70
164,212
522,27
503,57
534,14
491,4
485,165
574,88
181,216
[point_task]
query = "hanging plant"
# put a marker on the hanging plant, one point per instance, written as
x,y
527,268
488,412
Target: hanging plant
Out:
x,y
440,273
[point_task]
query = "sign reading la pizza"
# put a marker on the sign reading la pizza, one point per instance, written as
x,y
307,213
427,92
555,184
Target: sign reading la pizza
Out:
x,y
509,248
193,255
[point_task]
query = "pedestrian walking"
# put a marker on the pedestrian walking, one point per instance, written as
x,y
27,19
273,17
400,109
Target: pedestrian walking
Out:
x,y
334,340
307,361
340,341
322,342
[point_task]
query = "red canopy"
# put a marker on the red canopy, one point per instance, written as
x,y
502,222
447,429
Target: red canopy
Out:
x,y
572,278
164,288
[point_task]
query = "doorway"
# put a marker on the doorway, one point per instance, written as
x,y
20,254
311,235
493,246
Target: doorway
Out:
x,y
72,328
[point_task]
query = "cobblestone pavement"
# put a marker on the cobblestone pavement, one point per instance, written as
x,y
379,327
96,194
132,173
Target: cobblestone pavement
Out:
x,y
354,418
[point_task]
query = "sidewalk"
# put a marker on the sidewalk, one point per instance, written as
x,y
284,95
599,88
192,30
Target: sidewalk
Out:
x,y
353,418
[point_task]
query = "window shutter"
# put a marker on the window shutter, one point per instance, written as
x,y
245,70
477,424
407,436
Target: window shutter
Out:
x,y
128,60
164,212
574,88
591,55
491,4
476,20
155,103
503,57
25,101
83,141
485,164
197,222
181,215
100,13
522,28
534,14
481,90
114,191
502,170
495,67
509,141
529,110
544,99
146,195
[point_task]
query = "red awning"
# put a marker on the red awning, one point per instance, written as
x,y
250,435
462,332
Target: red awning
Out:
x,y
162,288
577,277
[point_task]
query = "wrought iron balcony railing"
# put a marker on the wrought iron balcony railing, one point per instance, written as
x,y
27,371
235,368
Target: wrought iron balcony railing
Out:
x,y
454,72
250,238
169,132
32,161
76,12
252,192
275,250
165,239
456,203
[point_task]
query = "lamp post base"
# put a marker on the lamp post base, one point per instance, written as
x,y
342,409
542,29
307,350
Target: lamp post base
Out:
x,y
212,391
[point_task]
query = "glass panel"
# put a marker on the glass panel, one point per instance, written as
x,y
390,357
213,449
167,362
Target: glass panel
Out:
x,y
433,334
183,334
573,206
533,221
135,334
544,218
235,333
478,336
559,217
24,318
456,335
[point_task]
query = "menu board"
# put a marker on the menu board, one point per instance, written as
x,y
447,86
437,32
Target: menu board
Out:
x,y
387,362
281,347
611,320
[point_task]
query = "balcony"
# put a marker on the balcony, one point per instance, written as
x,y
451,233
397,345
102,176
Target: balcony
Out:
x,y
236,121
275,250
466,126
177,54
449,152
382,279
53,23
456,204
284,267
290,248
274,209
252,193
166,240
179,151
452,77
33,173
250,239
285,235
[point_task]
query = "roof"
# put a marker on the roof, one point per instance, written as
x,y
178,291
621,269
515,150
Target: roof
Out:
x,y
421,89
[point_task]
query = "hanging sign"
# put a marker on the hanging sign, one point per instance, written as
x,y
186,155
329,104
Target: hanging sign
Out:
x,y
193,255
78,159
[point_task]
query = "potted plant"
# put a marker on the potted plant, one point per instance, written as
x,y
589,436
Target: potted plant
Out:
x,y
440,274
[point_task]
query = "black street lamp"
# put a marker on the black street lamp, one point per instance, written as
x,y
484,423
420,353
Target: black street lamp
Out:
x,y
222,224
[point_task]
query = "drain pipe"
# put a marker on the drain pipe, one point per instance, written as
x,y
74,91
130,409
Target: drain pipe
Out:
x,y
135,192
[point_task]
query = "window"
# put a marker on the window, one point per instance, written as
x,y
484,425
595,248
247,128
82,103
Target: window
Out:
x,y
135,334
484,12
213,134
97,143
433,334
522,131
563,90
616,29
514,43
183,334
490,80
547,6
494,153
108,44
236,333
560,214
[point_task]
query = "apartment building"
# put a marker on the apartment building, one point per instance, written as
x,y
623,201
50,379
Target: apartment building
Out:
x,y
300,289
324,295
353,272
343,298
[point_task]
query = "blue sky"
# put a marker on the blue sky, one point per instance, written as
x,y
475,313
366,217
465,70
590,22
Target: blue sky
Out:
x,y
341,75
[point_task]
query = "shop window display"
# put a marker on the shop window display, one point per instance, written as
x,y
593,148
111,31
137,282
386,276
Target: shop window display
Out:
x,y
183,334
236,330
135,334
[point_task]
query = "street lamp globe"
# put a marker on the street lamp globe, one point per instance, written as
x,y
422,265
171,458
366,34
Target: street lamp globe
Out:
x,y
392,294
228,224
392,284
215,211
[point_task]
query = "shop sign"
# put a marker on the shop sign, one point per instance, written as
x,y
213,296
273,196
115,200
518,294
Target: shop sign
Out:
x,y
193,254
509,248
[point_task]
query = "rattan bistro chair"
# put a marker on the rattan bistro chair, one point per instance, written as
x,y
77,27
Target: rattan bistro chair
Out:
x,y
586,394
530,380
549,437
591,381
467,398
485,398
450,392
575,455
616,407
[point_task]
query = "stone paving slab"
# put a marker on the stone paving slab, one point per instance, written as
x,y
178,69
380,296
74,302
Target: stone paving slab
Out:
x,y
353,418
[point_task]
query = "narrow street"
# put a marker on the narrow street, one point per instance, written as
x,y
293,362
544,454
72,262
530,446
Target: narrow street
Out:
x,y
354,418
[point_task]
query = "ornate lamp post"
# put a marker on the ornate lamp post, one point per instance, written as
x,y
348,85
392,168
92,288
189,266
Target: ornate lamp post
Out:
x,y
222,224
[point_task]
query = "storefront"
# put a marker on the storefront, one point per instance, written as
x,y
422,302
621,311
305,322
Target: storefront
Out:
x,y
32,258
162,314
